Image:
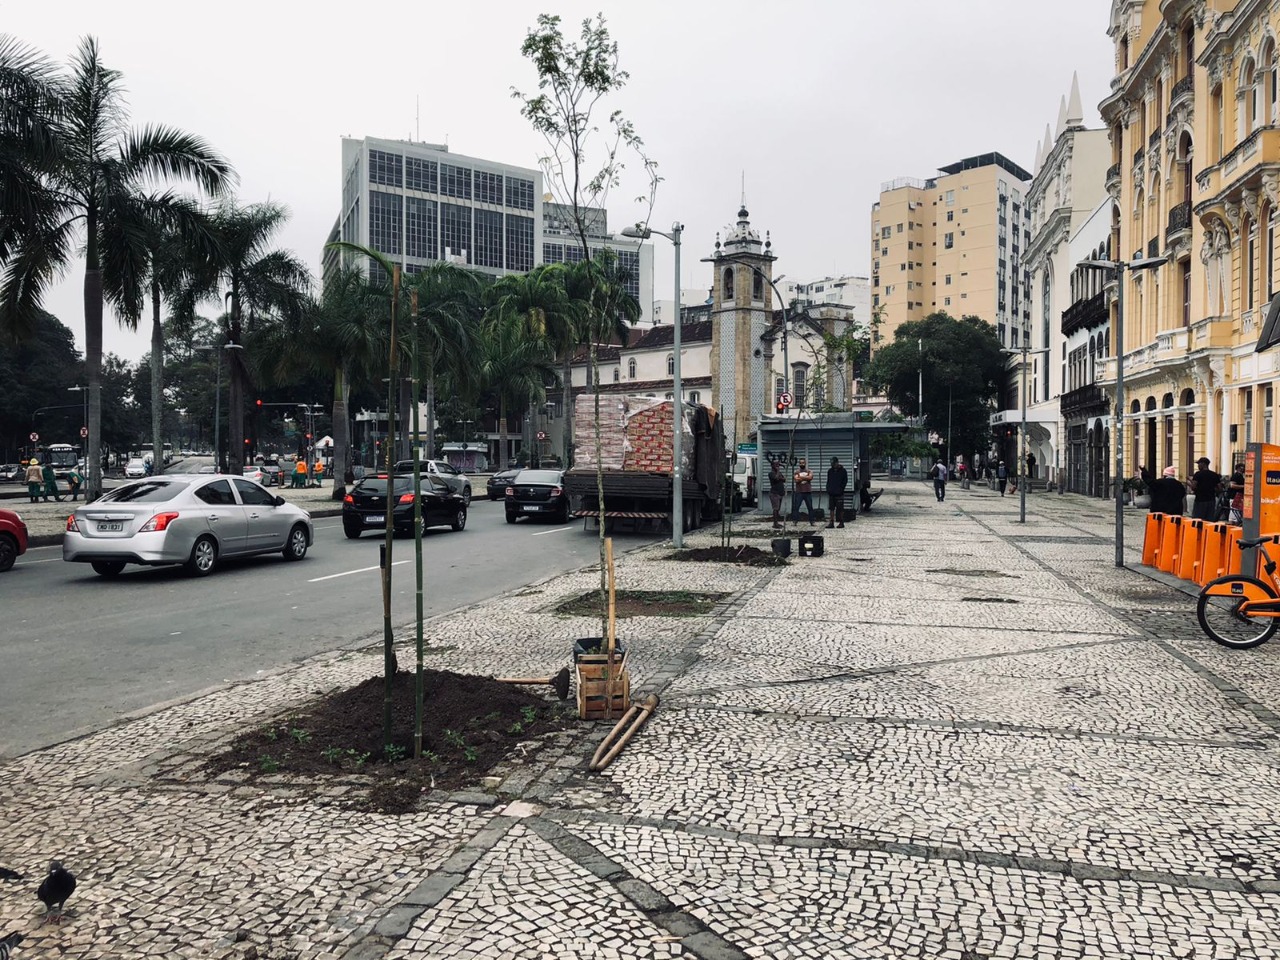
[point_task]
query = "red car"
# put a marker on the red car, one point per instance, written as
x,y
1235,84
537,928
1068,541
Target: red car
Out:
x,y
13,538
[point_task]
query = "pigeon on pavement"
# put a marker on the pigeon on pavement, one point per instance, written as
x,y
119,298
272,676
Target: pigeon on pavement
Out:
x,y
8,944
7,874
55,889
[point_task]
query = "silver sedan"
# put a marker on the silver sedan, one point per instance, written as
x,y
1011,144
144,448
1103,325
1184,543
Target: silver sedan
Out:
x,y
184,519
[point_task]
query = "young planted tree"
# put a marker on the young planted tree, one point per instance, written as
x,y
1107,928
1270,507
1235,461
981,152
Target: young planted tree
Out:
x,y
95,172
583,163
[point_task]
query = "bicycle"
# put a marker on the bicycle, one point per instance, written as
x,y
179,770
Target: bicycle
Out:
x,y
1240,611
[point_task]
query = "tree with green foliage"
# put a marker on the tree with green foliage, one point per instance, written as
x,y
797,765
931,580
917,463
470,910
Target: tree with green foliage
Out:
x,y
91,185
963,370
514,364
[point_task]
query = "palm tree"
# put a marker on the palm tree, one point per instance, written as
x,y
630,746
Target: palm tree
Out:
x,y
343,334
253,277
539,302
450,308
95,185
514,364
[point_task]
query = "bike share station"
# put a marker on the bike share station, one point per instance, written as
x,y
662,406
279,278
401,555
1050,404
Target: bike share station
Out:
x,y
816,438
1239,603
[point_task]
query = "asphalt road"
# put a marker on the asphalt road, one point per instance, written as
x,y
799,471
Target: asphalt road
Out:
x,y
78,651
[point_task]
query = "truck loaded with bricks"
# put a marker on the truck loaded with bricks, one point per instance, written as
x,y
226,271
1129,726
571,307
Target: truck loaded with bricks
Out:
x,y
636,436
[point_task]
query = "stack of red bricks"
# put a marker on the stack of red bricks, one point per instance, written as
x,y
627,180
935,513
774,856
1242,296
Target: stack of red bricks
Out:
x,y
649,438
635,433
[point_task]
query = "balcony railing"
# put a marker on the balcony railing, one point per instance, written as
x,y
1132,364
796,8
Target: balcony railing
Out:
x,y
1153,247
1183,88
1082,399
1179,220
1113,172
1137,155
1085,314
1153,141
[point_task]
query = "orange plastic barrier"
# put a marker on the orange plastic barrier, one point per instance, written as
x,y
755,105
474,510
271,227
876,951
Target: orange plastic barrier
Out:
x,y
1151,539
1213,559
1170,543
1191,553
1232,553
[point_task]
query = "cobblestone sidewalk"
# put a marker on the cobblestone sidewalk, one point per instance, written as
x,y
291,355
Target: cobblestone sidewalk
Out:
x,y
952,736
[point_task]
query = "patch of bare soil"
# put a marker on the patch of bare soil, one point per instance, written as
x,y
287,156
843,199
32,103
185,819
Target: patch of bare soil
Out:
x,y
644,603
470,724
745,555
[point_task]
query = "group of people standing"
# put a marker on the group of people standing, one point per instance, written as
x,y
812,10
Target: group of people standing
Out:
x,y
802,492
42,482
1214,497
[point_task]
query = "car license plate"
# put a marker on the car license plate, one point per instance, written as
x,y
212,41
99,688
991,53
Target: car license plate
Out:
x,y
112,527
371,519
530,507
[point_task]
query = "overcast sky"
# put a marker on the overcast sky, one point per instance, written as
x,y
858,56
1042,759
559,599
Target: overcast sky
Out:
x,y
816,103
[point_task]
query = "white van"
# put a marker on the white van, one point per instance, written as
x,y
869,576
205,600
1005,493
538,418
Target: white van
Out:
x,y
745,476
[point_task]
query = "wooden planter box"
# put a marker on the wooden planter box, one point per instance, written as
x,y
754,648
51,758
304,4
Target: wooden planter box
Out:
x,y
594,670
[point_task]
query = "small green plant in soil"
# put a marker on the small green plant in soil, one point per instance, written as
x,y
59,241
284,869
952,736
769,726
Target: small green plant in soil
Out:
x,y
268,764
645,603
299,735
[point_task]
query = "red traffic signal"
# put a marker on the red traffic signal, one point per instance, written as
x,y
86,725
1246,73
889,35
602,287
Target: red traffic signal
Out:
x,y
259,403
781,408
246,443
308,436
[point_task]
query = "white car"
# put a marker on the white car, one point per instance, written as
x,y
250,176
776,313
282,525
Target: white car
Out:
x,y
135,469
455,479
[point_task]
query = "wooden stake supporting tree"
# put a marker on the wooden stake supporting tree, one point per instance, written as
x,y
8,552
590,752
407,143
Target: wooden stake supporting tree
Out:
x,y
604,682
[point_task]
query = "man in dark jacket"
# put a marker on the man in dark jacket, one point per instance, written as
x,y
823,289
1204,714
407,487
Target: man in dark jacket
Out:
x,y
1168,495
837,483
1204,484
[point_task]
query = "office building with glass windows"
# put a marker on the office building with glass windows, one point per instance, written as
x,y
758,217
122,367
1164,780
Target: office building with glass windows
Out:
x,y
418,203
561,244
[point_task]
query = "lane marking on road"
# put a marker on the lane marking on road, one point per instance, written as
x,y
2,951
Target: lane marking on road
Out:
x,y
543,533
333,576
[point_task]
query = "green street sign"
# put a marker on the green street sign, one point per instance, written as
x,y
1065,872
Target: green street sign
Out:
x,y
748,448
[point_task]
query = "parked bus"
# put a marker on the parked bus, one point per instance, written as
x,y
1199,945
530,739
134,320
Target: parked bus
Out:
x,y
63,456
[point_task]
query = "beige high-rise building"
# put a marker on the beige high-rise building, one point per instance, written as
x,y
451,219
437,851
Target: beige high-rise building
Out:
x,y
953,243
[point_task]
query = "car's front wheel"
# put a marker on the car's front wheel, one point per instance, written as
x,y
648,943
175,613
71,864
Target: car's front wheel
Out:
x,y
107,568
459,520
8,552
204,554
296,546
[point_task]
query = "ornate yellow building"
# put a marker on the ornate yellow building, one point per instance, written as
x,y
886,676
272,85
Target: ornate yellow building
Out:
x,y
1195,173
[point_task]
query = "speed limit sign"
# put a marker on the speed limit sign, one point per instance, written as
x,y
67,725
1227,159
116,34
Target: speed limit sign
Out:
x,y
784,399
541,435
84,432
34,436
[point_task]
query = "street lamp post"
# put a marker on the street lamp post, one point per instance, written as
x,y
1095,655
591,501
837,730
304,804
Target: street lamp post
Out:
x,y
1022,440
1118,267
217,402
642,232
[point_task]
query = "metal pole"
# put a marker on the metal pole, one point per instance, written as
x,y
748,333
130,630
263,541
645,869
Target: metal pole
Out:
x,y
920,389
1117,429
677,480
217,413
1022,460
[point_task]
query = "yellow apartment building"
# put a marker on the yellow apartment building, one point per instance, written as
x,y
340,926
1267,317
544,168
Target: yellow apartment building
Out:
x,y
1195,172
953,243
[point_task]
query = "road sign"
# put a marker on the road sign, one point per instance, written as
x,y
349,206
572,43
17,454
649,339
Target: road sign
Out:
x,y
748,448
34,436
542,435
84,432
784,399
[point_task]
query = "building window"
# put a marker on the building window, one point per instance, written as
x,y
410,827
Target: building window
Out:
x,y
519,193
520,243
617,375
421,175
455,223
629,271
670,396
421,225
1186,292
455,181
671,365
385,222
1251,285
798,374
757,285
726,287
553,253
488,239
631,369
385,168
951,197
948,240
488,187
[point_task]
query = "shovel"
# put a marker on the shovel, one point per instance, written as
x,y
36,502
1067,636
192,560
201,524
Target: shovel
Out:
x,y
559,683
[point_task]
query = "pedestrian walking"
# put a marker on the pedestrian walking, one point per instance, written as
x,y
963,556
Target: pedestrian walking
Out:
x,y
1031,466
1205,484
1168,495
50,483
35,479
777,490
802,492
1002,477
939,475
837,483
1235,491
74,480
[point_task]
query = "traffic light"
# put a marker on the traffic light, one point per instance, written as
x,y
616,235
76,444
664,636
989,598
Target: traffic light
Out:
x,y
308,436
259,403
781,408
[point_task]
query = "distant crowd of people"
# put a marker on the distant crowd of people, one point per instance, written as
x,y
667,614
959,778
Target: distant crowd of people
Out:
x,y
1214,497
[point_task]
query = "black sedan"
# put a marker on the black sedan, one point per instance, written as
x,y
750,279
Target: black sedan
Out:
x,y
537,493
364,508
498,483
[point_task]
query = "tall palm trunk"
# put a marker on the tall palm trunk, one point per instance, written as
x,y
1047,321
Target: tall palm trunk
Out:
x,y
408,441
341,434
157,380
431,412
93,356
235,393
502,433
566,405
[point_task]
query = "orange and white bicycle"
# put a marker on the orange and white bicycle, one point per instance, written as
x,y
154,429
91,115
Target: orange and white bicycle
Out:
x,y
1240,611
